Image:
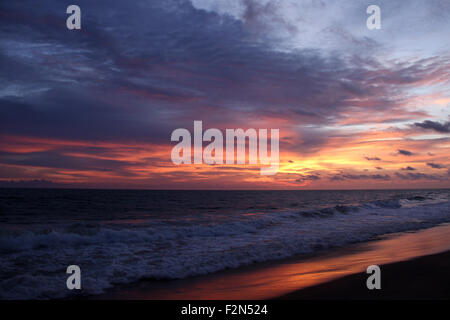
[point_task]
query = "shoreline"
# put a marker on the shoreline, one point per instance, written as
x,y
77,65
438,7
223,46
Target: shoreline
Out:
x,y
421,278
285,279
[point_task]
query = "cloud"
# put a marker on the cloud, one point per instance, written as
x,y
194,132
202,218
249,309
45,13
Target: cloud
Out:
x,y
433,125
436,165
142,85
310,177
405,152
408,168
136,72
417,176
58,160
341,177
36,183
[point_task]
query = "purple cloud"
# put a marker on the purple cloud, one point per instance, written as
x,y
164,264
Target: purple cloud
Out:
x,y
433,125
405,152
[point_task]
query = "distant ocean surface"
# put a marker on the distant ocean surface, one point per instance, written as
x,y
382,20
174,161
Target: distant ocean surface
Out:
x,y
119,237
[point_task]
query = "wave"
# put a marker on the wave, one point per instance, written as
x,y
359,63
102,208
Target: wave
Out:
x,y
34,263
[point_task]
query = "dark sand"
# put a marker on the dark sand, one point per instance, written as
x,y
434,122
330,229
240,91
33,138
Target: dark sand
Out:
x,y
426,277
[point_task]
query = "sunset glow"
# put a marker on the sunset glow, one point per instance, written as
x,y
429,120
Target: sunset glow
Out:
x,y
357,111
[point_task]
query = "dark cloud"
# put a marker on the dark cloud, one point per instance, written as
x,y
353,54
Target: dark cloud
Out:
x,y
136,72
417,176
372,158
56,159
436,165
433,125
311,177
408,168
341,177
79,118
405,152
36,183
379,168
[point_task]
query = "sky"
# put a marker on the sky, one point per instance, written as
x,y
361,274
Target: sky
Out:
x,y
356,108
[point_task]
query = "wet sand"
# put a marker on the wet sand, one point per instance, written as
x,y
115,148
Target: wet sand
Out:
x,y
287,278
421,278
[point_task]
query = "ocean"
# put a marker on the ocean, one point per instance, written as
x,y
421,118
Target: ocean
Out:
x,y
123,236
